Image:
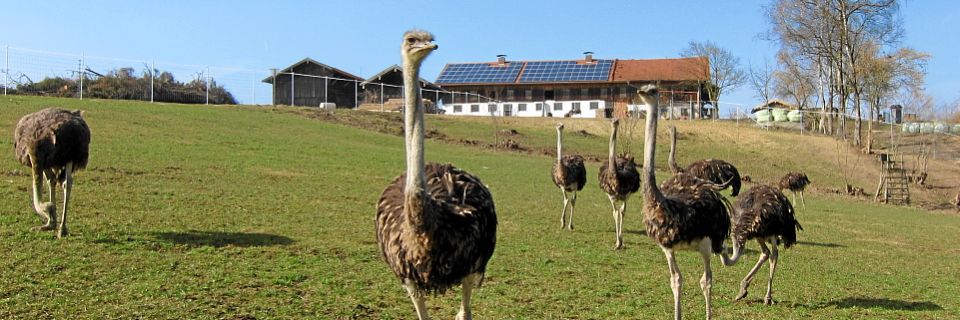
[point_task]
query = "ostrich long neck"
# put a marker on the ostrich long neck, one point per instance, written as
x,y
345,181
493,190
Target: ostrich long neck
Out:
x,y
729,260
612,165
415,186
672,162
651,194
559,144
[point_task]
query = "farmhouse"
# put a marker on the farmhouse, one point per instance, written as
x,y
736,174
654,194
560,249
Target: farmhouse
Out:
x,y
314,84
384,91
584,88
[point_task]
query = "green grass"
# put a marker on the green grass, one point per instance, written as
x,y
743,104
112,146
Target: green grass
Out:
x,y
197,212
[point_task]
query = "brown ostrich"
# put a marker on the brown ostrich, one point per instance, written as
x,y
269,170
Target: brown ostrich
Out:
x,y
762,213
53,143
569,175
718,171
619,178
795,182
692,216
436,224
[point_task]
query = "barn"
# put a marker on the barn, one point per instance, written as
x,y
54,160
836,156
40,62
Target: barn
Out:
x,y
582,88
314,84
384,91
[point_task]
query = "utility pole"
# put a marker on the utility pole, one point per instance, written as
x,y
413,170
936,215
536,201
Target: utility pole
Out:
x,y
208,85
80,75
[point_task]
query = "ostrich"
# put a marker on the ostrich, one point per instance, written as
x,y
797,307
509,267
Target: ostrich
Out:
x,y
795,182
569,175
715,170
53,143
436,224
762,213
619,179
693,216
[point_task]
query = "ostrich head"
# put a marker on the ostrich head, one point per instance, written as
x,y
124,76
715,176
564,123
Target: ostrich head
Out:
x,y
560,126
417,45
648,93
615,122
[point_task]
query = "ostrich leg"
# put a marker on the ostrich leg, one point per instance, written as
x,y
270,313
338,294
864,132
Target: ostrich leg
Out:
x,y
774,255
468,283
419,301
45,210
616,222
563,213
67,187
801,200
573,205
706,282
675,281
764,255
623,208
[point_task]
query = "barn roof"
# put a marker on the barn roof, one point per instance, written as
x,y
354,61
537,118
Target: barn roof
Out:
x,y
574,71
337,72
774,103
396,69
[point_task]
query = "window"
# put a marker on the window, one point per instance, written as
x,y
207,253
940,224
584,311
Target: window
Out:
x,y
539,106
594,105
564,94
507,107
576,106
457,108
584,93
557,106
492,107
603,93
528,94
474,108
522,107
509,94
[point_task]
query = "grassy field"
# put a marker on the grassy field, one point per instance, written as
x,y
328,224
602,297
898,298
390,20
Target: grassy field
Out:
x,y
209,212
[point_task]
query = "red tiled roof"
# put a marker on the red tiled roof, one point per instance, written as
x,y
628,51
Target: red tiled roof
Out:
x,y
678,69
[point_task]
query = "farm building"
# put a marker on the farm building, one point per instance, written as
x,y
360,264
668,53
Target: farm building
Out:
x,y
776,110
384,91
314,84
584,88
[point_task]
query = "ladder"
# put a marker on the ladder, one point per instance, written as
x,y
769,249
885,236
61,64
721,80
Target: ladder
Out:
x,y
896,186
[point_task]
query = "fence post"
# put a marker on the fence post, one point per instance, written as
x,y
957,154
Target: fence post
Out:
x,y
325,88
6,78
356,95
273,88
80,75
381,97
153,70
293,80
208,85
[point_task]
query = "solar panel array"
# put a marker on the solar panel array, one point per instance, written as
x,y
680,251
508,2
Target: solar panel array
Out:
x,y
533,71
563,71
479,73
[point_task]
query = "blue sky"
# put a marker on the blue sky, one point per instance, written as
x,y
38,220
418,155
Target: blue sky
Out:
x,y
362,37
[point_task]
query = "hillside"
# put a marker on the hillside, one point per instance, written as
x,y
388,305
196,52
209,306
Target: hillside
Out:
x,y
225,212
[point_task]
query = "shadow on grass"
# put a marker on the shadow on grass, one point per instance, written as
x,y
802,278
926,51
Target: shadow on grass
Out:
x,y
880,303
820,244
218,239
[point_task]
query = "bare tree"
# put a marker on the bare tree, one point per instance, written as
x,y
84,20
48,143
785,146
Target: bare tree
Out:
x,y
724,72
884,75
762,81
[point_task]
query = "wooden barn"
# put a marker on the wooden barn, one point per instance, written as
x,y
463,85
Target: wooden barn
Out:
x,y
584,88
314,84
384,91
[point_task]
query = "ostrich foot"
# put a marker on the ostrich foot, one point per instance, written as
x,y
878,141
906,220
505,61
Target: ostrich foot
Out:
x,y
463,316
618,246
741,295
768,301
62,232
46,227
570,227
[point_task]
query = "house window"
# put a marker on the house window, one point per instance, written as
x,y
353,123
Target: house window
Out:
x,y
474,108
509,94
528,94
576,106
603,93
507,107
557,106
522,107
457,108
539,106
584,93
492,107
564,94
594,105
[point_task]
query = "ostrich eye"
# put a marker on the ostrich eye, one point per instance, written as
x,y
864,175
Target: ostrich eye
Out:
x,y
411,40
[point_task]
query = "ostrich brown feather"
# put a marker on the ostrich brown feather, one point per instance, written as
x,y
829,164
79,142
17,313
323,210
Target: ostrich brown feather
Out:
x,y
55,137
569,173
762,212
689,212
794,181
623,180
453,236
717,171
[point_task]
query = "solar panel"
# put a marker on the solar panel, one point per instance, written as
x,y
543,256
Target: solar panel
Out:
x,y
563,71
479,73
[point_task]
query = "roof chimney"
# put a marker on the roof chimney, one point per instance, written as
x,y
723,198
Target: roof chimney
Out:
x,y
588,57
501,59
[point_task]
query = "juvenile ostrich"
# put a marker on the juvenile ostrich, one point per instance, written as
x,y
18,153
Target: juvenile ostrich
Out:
x,y
53,143
795,182
569,175
715,170
436,224
762,213
693,216
619,178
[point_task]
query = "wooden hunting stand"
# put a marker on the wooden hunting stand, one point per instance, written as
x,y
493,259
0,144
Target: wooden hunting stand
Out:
x,y
894,185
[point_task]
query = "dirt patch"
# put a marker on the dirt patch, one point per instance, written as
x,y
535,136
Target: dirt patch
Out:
x,y
15,173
